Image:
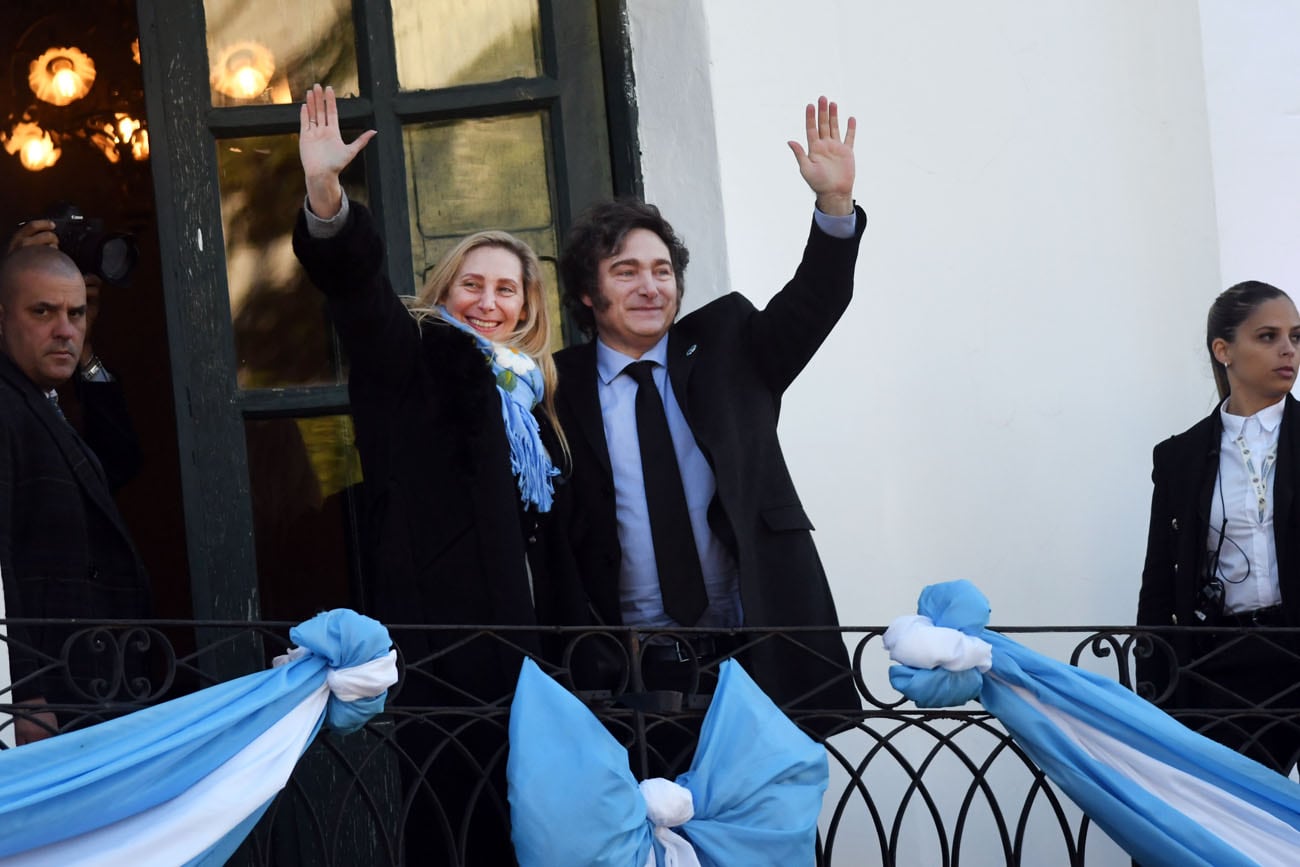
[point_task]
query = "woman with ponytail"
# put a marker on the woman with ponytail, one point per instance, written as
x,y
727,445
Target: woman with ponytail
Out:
x,y
1224,538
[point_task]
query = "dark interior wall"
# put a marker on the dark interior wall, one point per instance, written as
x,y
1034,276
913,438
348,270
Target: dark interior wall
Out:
x,y
130,335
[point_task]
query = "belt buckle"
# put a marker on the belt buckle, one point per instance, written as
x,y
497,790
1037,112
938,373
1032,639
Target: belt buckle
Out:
x,y
1266,614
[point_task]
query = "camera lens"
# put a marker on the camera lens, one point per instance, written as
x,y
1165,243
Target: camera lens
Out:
x,y
117,257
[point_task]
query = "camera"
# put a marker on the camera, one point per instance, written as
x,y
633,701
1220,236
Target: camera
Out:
x,y
110,255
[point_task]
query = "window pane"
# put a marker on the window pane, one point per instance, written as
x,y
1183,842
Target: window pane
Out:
x,y
302,474
441,43
467,175
281,335
272,52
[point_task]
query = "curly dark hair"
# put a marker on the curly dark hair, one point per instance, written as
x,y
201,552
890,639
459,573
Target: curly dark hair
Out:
x,y
598,234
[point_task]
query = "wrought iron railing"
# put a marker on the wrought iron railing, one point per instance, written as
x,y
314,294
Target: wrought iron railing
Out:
x,y
424,782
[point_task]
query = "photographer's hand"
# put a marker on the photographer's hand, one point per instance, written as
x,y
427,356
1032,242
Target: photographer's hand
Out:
x,y
323,153
31,726
34,233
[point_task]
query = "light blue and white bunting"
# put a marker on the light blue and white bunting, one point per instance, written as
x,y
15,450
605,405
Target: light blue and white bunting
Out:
x,y
751,796
1167,795
182,783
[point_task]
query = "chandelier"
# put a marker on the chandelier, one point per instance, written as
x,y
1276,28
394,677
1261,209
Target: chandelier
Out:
x,y
71,104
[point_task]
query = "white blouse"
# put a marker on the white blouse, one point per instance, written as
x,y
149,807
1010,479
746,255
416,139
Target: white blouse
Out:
x,y
1243,493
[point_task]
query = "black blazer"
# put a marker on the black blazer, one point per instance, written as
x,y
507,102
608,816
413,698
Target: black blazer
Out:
x,y
64,548
730,364
444,536
1184,469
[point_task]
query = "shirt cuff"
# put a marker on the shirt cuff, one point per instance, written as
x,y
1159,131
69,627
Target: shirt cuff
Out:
x,y
322,229
836,226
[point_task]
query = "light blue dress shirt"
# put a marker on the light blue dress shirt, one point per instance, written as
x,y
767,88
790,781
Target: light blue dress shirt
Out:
x,y
642,602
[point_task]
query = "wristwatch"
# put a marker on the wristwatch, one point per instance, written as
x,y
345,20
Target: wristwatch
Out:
x,y
94,371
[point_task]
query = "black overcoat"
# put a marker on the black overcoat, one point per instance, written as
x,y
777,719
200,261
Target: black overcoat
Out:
x,y
730,363
443,533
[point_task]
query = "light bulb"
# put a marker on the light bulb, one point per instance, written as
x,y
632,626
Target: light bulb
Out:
x,y
39,153
249,83
65,83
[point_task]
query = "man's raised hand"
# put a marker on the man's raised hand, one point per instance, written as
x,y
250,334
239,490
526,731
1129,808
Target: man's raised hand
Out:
x,y
827,165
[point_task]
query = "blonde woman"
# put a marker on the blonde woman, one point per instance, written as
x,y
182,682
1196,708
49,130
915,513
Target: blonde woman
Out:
x,y
451,398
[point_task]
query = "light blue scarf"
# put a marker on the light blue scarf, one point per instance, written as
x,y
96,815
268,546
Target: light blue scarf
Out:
x,y
521,386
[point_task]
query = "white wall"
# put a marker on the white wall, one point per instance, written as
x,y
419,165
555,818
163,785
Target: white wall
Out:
x,y
1057,191
1031,288
1251,72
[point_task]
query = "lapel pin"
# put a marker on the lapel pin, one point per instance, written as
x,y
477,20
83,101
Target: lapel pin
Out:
x,y
690,350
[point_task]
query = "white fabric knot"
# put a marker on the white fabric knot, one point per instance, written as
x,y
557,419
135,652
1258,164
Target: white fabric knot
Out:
x,y
366,680
913,640
668,806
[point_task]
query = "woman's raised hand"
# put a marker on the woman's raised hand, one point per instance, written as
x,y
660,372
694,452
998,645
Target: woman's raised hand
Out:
x,y
323,153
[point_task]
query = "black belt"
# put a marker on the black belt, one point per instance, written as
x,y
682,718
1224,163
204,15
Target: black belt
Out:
x,y
697,648
1270,616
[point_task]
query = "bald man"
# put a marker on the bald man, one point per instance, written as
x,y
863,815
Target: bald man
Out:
x,y
64,549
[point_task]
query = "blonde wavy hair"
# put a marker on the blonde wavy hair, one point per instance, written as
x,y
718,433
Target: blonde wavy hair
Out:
x,y
532,335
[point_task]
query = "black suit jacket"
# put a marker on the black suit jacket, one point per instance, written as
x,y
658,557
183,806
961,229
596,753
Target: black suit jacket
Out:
x,y
730,364
1184,469
64,548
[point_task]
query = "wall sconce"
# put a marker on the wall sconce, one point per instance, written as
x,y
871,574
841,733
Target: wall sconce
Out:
x,y
35,148
243,70
61,76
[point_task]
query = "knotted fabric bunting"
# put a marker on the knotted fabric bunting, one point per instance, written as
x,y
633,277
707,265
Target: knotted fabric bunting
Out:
x,y
751,796
1166,794
185,781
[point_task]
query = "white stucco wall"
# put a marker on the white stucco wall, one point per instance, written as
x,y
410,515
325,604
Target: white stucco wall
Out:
x,y
1031,288
1251,70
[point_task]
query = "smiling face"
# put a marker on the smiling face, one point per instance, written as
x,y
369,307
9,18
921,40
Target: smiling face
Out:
x,y
637,295
487,293
43,323
1261,357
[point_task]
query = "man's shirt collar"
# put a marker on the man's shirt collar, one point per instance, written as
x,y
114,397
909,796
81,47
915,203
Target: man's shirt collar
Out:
x,y
610,362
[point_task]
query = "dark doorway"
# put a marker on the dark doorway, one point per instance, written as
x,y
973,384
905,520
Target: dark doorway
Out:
x,y
101,166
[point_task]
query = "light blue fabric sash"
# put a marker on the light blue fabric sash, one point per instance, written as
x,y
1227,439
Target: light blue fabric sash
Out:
x,y
1166,794
185,781
756,783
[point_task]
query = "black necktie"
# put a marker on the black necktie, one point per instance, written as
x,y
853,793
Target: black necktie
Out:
x,y
681,580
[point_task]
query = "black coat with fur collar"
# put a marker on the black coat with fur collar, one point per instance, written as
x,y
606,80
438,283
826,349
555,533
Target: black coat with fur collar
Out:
x,y
444,536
